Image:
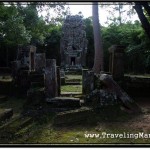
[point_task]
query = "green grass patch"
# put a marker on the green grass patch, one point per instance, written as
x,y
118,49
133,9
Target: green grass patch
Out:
x,y
73,77
139,76
5,78
71,88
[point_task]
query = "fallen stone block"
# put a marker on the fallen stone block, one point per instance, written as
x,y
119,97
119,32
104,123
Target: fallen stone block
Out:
x,y
73,116
6,114
72,83
64,102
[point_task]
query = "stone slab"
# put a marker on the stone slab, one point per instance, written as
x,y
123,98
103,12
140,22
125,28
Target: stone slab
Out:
x,y
73,116
64,102
6,114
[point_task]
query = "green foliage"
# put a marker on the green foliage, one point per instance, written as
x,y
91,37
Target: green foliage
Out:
x,y
20,23
12,27
134,39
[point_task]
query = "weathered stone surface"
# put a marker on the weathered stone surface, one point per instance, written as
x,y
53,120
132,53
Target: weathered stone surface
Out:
x,y
62,77
40,62
62,73
6,114
116,62
36,77
72,83
32,54
73,43
35,96
64,102
23,56
58,81
101,98
113,87
21,81
87,81
137,85
15,67
73,116
51,79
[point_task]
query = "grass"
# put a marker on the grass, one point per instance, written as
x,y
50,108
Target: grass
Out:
x,y
139,76
15,103
41,129
71,88
5,78
73,77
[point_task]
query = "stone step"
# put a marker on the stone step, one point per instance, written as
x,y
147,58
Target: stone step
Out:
x,y
3,99
72,94
73,116
73,72
6,114
72,83
73,80
64,102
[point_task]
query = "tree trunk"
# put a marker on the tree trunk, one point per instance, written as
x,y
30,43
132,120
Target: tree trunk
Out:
x,y
146,6
143,19
98,58
7,57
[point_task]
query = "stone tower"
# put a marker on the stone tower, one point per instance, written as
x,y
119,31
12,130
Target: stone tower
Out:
x,y
73,44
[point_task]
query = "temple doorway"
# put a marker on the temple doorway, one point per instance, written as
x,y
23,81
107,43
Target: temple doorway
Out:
x,y
73,62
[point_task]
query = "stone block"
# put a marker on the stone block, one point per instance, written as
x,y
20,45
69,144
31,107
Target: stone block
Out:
x,y
73,116
68,102
87,81
116,62
40,62
6,114
51,78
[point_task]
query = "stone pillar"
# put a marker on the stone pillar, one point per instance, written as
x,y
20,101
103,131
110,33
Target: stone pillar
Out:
x,y
62,77
40,62
116,64
32,58
15,67
58,81
51,78
87,81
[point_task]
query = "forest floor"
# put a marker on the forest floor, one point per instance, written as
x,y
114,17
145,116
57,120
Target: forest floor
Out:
x,y
41,130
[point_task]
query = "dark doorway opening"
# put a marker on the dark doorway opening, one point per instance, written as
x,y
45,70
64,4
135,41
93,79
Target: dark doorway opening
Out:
x,y
73,61
74,48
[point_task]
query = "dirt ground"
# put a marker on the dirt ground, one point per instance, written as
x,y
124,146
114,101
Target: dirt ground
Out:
x,y
141,122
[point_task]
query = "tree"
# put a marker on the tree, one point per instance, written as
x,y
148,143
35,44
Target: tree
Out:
x,y
145,23
98,56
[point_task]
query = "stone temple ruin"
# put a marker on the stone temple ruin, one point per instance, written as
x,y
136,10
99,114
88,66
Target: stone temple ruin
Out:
x,y
41,79
32,69
73,43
